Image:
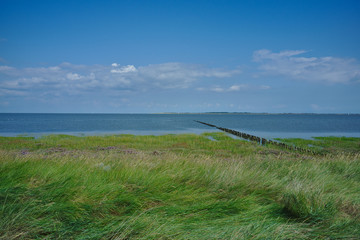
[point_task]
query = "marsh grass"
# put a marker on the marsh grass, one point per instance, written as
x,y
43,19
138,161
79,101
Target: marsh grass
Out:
x,y
345,145
176,187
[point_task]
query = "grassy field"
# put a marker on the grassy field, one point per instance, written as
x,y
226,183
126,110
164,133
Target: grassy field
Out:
x,y
208,186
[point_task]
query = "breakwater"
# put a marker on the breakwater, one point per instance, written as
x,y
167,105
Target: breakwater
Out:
x,y
259,140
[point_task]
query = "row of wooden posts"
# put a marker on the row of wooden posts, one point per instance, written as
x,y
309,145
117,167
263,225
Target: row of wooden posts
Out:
x,y
261,141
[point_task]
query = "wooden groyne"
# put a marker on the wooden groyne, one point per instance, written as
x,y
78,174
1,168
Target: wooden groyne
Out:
x,y
259,140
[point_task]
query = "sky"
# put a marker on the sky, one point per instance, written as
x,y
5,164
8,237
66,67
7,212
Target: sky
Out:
x,y
130,56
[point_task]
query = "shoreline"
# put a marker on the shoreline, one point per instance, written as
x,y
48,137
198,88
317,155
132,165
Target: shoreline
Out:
x,y
270,135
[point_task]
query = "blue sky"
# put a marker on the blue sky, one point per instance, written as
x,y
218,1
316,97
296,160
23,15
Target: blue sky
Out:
x,y
180,56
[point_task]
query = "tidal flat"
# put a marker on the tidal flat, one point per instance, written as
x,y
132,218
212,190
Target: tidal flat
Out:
x,y
183,186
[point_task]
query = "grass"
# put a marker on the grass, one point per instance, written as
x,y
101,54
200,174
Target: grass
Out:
x,y
207,186
327,144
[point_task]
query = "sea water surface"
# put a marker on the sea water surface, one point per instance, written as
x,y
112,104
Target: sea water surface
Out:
x,y
263,125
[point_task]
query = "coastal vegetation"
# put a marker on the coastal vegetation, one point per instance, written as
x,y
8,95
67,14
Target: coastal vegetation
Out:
x,y
187,186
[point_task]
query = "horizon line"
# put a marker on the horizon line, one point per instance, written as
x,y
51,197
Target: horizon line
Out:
x,y
255,113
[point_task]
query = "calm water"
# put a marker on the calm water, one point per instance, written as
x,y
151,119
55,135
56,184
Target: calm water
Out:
x,y
269,126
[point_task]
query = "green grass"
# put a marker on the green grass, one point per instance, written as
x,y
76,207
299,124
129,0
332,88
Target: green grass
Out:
x,y
208,186
327,144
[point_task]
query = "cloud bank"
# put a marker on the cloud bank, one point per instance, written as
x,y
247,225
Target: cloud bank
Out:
x,y
321,69
119,85
73,79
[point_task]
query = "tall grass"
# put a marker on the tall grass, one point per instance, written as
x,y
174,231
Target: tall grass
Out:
x,y
174,187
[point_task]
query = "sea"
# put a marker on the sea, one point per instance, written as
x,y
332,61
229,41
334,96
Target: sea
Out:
x,y
263,125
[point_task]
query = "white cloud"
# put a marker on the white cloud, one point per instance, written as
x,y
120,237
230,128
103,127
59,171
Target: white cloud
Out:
x,y
6,68
125,69
237,87
77,79
267,54
322,69
179,75
73,76
218,89
7,92
234,88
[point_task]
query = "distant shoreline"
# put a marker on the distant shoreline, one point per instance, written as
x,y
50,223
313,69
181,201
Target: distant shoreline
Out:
x,y
164,133
250,113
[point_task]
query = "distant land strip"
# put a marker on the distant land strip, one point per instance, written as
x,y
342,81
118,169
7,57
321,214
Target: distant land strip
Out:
x,y
255,113
260,140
